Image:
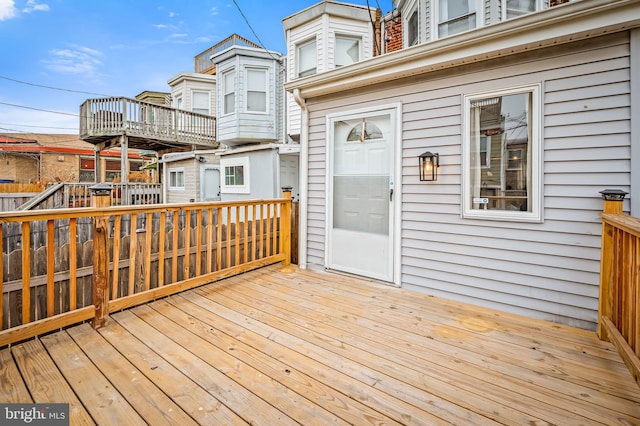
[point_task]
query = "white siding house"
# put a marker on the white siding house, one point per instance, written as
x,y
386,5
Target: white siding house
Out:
x,y
194,92
531,118
192,176
323,37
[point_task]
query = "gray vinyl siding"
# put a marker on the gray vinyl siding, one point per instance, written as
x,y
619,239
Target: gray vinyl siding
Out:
x,y
191,189
546,270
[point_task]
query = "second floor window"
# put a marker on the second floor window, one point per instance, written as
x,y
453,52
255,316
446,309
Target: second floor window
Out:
x,y
200,102
307,59
256,90
347,50
412,29
456,16
515,8
229,92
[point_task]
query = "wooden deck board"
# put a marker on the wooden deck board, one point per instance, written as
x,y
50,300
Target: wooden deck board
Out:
x,y
308,348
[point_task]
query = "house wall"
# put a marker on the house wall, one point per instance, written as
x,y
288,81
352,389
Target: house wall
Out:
x,y
200,83
191,191
547,270
59,167
20,169
263,176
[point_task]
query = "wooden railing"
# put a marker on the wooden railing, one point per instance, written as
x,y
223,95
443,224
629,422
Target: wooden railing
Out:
x,y
91,261
78,194
110,117
619,305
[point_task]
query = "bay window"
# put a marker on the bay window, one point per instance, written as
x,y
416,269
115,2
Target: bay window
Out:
x,y
307,58
456,16
347,50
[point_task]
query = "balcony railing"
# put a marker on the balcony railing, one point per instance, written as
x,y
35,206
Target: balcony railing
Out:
x,y
106,118
202,61
619,310
65,266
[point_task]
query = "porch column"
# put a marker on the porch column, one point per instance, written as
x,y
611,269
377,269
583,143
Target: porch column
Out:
x,y
97,166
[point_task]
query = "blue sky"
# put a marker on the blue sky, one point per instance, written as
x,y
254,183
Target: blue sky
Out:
x,y
114,48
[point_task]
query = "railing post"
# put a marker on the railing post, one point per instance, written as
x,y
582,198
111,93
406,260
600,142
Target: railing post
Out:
x,y
101,198
613,199
285,226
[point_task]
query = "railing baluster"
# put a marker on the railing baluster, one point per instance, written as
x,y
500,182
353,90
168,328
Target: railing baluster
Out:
x,y
50,268
73,264
174,253
237,236
209,239
219,239
163,232
187,245
116,257
198,242
147,258
228,236
26,272
132,253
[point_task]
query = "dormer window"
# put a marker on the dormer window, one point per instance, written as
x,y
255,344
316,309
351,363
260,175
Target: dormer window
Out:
x,y
412,29
347,50
229,92
256,90
200,102
456,16
515,8
307,59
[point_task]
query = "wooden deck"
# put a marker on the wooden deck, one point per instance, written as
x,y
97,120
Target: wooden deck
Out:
x,y
275,348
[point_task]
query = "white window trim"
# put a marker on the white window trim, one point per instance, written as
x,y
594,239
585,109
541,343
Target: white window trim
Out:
x,y
355,37
535,215
223,91
503,7
297,58
435,21
246,90
412,6
206,92
234,189
176,170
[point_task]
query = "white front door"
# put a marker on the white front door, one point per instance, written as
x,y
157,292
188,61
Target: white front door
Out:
x,y
361,185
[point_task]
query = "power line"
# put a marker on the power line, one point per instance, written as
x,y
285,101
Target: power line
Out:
x,y
38,109
253,31
52,88
43,127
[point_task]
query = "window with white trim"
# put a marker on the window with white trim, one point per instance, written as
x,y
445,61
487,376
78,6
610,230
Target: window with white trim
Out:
x,y
177,102
176,178
307,58
515,8
200,102
229,92
235,178
456,16
347,50
412,29
502,155
256,85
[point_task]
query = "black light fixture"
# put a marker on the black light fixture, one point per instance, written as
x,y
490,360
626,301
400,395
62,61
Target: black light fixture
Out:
x,y
428,163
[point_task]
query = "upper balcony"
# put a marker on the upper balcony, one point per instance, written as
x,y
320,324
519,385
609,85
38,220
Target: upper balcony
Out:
x,y
202,61
148,126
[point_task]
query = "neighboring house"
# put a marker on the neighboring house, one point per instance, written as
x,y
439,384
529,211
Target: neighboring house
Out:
x,y
530,110
32,157
191,176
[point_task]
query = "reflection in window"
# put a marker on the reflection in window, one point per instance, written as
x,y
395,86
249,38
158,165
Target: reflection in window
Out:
x,y
517,8
347,50
456,16
501,153
363,131
234,175
412,29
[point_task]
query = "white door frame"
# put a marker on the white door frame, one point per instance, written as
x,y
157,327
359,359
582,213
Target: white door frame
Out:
x,y
395,110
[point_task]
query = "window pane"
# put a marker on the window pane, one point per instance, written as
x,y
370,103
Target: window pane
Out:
x,y
307,59
347,51
520,7
229,98
256,90
456,16
200,102
500,153
234,175
412,31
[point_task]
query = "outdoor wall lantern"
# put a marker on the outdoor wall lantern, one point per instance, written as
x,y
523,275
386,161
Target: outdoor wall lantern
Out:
x,y
429,164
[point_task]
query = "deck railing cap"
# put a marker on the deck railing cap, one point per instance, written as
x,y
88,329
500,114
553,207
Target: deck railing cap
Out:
x,y
613,194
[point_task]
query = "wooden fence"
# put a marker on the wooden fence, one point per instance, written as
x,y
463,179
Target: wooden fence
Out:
x,y
95,260
619,310
20,187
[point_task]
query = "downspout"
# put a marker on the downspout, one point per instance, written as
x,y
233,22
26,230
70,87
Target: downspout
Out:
x,y
304,178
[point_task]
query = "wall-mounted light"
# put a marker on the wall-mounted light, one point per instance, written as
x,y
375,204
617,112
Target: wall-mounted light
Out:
x,y
201,159
428,163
